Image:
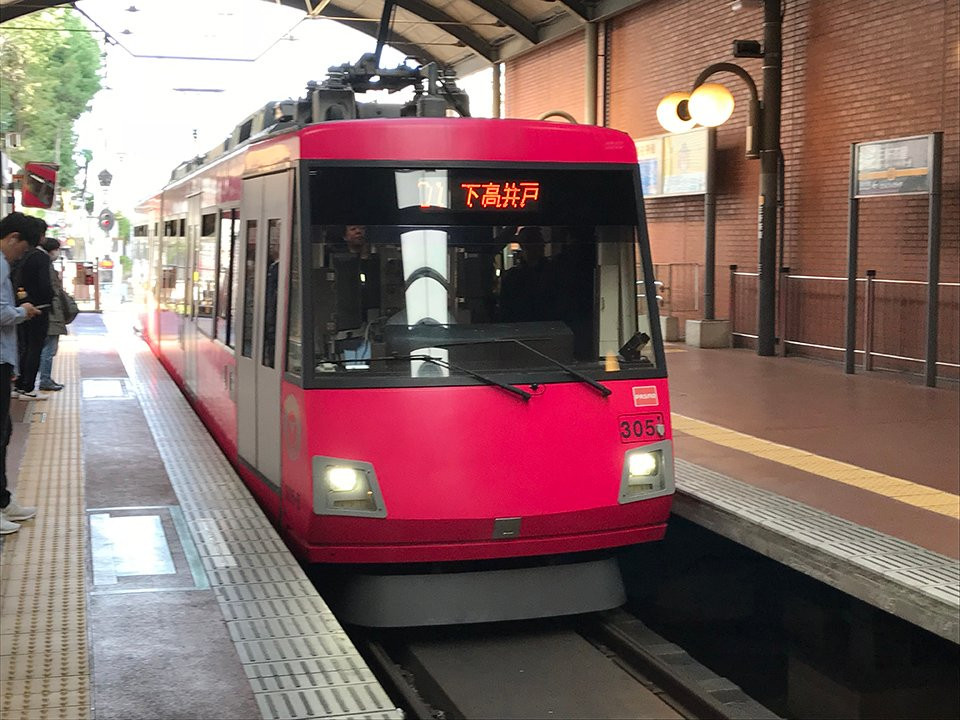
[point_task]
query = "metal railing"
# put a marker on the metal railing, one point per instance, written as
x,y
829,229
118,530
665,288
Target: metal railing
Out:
x,y
787,292
674,282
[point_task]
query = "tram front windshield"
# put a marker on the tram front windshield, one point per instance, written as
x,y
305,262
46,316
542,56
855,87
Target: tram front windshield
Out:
x,y
442,275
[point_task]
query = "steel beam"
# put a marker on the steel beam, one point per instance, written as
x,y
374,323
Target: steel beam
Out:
x,y
450,25
510,17
578,7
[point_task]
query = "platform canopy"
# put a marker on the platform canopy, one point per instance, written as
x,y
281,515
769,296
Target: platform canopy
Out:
x,y
465,35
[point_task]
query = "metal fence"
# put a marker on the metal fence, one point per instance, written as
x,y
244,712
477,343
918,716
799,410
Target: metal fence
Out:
x,y
892,312
679,286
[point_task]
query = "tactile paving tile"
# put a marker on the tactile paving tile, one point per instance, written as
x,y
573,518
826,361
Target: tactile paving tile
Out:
x,y
295,648
929,580
248,560
275,608
299,674
247,575
264,595
44,665
280,627
321,702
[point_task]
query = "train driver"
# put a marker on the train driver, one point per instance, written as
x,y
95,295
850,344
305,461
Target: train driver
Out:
x,y
355,344
528,290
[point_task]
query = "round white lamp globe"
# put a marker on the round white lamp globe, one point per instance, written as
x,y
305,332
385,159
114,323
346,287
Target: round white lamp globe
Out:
x,y
711,104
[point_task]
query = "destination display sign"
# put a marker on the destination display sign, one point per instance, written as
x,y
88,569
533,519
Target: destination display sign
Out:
x,y
473,196
509,195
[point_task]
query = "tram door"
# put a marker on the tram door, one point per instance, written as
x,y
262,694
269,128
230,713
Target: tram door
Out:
x,y
188,324
265,214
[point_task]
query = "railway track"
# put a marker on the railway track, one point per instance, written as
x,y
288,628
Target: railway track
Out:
x,y
607,665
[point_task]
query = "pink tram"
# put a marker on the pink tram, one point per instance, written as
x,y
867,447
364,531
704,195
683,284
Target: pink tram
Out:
x,y
429,344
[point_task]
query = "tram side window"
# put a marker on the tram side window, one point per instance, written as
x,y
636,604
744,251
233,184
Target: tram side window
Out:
x,y
204,288
174,268
224,331
249,271
270,293
138,254
235,275
153,266
295,311
643,306
182,267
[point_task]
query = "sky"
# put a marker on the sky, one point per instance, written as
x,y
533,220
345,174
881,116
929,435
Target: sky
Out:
x,y
154,113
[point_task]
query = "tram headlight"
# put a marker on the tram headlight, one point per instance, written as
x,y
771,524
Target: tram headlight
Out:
x,y
647,472
346,487
342,479
643,464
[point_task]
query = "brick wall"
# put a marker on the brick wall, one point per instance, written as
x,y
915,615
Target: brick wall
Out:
x,y
549,79
852,72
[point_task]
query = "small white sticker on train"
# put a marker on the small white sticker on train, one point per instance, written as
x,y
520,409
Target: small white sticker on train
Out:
x,y
645,395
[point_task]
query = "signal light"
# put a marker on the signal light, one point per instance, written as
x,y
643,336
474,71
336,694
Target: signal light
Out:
x,y
106,220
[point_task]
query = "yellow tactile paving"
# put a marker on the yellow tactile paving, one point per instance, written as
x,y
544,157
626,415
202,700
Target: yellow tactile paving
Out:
x,y
895,488
44,659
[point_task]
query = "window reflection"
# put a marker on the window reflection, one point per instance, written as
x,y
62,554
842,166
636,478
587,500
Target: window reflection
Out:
x,y
391,300
249,269
270,293
412,276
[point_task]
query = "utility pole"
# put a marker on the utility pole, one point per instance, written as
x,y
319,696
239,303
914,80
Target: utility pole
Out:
x,y
769,169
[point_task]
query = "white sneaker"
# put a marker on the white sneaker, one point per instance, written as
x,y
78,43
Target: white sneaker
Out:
x,y
14,511
7,527
32,395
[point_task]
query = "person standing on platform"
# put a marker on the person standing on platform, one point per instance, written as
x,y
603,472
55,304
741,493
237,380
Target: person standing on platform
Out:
x,y
32,284
18,233
57,326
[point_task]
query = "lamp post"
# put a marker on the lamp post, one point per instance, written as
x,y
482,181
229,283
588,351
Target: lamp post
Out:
x,y
105,179
106,219
710,104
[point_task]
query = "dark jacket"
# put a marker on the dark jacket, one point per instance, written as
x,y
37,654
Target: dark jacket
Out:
x,y
57,324
32,275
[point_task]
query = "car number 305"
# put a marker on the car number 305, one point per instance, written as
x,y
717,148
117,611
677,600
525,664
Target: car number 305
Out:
x,y
648,426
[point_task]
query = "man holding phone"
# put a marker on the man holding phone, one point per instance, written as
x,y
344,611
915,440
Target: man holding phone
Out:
x,y
31,283
18,233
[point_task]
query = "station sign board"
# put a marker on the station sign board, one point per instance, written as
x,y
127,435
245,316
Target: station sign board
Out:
x,y
893,167
674,164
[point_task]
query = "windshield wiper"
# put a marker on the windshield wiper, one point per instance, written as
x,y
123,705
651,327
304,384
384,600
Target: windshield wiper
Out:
x,y
444,364
605,391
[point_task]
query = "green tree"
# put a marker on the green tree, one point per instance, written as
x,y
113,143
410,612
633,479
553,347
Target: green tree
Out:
x,y
81,194
48,74
123,226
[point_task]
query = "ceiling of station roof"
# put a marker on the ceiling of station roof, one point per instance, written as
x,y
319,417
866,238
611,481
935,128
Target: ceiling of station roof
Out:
x,y
466,35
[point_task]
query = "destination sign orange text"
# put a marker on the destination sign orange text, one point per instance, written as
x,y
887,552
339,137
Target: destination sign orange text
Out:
x,y
500,196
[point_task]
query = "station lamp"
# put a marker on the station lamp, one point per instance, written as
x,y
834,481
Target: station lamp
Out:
x,y
710,105
673,113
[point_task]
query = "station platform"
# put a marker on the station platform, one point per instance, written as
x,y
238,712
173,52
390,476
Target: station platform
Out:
x,y
202,612
150,584
851,479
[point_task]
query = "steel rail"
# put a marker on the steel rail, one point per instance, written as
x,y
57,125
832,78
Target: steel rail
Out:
x,y
673,670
